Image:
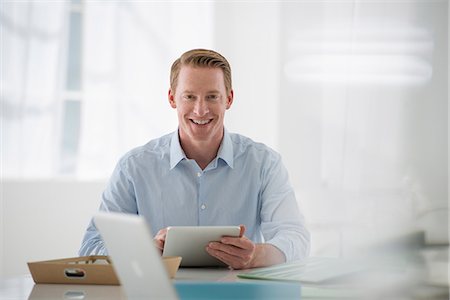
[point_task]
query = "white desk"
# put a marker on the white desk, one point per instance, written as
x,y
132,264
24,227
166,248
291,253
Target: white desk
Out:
x,y
23,287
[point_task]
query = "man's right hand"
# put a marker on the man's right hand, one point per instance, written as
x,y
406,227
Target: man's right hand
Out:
x,y
160,238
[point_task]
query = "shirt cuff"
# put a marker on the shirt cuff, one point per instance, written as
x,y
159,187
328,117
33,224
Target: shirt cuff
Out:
x,y
291,247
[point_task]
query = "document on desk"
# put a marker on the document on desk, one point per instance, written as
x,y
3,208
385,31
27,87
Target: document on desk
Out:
x,y
311,270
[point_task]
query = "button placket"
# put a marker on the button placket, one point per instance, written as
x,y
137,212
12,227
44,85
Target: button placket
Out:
x,y
202,205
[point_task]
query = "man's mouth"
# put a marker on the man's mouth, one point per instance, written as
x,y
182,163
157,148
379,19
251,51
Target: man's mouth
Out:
x,y
201,122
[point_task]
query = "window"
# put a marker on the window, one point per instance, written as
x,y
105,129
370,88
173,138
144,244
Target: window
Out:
x,y
72,95
85,81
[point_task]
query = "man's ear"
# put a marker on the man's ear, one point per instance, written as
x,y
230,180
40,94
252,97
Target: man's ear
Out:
x,y
230,98
171,98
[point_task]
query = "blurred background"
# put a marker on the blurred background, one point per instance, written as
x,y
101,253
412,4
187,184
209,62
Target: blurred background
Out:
x,y
353,94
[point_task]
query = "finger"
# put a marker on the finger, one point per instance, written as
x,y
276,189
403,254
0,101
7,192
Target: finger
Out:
x,y
160,239
161,235
230,260
159,245
215,254
162,232
159,242
232,250
243,242
242,227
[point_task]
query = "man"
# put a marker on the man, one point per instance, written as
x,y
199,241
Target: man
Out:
x,y
203,175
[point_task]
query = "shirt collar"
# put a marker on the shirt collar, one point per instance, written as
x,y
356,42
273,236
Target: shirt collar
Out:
x,y
225,150
176,152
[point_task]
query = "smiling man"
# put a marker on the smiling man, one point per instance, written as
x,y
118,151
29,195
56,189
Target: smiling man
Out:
x,y
201,98
203,175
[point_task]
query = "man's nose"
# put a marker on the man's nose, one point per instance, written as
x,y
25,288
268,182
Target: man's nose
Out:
x,y
201,108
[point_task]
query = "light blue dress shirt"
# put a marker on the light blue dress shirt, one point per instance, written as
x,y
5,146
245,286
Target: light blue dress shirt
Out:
x,y
245,184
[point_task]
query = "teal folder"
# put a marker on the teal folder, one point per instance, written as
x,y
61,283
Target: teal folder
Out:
x,y
264,290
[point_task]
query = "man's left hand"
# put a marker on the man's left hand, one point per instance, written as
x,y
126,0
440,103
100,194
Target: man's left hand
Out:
x,y
236,252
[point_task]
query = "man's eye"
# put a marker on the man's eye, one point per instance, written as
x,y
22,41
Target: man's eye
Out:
x,y
189,97
213,97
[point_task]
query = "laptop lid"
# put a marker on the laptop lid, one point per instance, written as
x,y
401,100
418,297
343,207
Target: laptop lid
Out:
x,y
136,260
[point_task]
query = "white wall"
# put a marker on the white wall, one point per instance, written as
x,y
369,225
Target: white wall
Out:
x,y
44,220
248,35
364,135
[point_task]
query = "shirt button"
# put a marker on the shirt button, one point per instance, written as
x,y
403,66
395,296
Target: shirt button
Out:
x,y
199,174
203,206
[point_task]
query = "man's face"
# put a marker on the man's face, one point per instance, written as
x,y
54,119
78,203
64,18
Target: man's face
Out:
x,y
201,101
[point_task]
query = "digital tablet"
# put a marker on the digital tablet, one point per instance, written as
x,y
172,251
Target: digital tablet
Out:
x,y
190,242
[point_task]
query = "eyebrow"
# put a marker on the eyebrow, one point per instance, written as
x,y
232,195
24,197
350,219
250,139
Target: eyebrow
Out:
x,y
208,92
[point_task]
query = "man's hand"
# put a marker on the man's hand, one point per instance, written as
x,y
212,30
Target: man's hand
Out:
x,y
237,252
242,253
160,239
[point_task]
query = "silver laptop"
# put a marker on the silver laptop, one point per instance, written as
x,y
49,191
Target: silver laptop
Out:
x,y
136,260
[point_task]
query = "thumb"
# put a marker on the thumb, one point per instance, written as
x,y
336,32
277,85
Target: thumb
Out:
x,y
241,234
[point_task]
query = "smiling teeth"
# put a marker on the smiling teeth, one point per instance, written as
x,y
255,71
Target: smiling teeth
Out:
x,y
201,122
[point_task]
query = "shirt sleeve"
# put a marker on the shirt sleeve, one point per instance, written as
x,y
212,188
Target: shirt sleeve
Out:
x,y
282,224
119,196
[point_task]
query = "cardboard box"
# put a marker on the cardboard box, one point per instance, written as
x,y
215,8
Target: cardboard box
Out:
x,y
85,270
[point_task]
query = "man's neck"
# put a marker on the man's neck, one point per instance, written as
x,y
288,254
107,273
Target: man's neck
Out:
x,y
203,152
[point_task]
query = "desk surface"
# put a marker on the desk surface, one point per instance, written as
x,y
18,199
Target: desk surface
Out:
x,y
23,287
